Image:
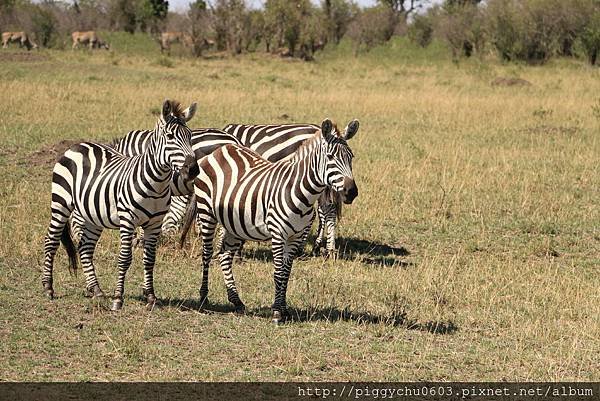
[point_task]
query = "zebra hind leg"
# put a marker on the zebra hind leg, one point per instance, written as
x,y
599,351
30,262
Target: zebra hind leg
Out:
x,y
208,225
330,222
229,248
87,245
219,243
320,232
58,230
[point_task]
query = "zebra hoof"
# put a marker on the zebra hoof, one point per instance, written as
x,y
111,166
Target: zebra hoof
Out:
x,y
278,317
240,309
94,292
150,302
330,254
117,305
98,293
49,290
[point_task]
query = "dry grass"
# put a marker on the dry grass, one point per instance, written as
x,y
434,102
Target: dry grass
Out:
x,y
472,252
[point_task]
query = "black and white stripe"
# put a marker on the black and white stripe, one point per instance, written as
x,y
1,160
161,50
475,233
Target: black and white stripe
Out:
x,y
110,190
254,199
277,142
204,141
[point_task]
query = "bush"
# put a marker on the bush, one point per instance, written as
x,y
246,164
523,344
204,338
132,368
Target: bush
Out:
x,y
420,31
590,38
536,30
44,26
462,27
371,27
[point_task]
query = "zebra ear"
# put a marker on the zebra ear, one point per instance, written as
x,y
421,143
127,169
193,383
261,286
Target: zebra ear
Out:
x,y
167,109
188,113
351,129
326,127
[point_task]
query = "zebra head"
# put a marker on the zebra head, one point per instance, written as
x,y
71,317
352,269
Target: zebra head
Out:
x,y
175,136
338,161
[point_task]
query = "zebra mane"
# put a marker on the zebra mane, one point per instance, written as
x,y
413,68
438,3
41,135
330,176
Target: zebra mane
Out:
x,y
317,135
176,109
114,143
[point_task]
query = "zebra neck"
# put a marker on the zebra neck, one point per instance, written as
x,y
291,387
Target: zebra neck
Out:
x,y
156,169
307,170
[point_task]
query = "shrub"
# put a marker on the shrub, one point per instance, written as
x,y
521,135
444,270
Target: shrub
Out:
x,y
44,26
421,30
590,38
372,26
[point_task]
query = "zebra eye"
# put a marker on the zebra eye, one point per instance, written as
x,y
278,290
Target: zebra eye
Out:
x,y
170,136
329,156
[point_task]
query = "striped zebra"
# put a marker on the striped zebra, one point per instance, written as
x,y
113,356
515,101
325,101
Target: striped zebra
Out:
x,y
110,190
273,142
277,142
204,141
254,199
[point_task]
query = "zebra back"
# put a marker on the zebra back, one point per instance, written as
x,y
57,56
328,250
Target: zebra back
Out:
x,y
273,142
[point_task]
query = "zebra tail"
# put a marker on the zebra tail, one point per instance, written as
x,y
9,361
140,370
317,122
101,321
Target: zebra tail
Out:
x,y
336,199
188,219
67,241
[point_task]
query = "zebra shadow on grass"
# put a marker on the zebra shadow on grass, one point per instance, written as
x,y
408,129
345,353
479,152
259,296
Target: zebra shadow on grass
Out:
x,y
371,253
367,252
316,314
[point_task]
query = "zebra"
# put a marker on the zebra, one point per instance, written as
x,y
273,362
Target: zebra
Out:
x,y
277,142
254,199
274,142
110,190
204,141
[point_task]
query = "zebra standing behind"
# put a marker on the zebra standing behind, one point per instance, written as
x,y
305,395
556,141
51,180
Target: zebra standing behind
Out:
x,y
204,141
277,142
254,199
110,190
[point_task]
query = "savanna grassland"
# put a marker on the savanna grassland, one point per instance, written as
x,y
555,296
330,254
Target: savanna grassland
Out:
x,y
471,253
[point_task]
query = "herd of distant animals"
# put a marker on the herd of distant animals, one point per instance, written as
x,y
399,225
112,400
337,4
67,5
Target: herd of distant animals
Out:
x,y
259,182
91,40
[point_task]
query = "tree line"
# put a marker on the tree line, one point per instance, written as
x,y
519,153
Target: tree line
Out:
x,y
533,31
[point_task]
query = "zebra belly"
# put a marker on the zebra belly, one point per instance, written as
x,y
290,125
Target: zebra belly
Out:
x,y
243,224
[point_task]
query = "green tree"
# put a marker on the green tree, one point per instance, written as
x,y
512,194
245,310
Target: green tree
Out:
x,y
151,13
590,38
338,15
199,18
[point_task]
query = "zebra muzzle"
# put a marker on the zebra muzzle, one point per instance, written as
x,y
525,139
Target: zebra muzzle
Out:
x,y
350,191
190,169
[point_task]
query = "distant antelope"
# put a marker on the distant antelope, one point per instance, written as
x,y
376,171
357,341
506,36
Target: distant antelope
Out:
x,y
89,38
20,37
169,38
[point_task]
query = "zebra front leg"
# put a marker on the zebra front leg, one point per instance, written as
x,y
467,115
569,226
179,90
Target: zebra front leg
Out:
x,y
127,232
87,245
229,246
151,236
282,260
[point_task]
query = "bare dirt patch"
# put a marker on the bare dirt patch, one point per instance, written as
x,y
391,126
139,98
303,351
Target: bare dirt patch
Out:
x,y
48,155
503,81
22,56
